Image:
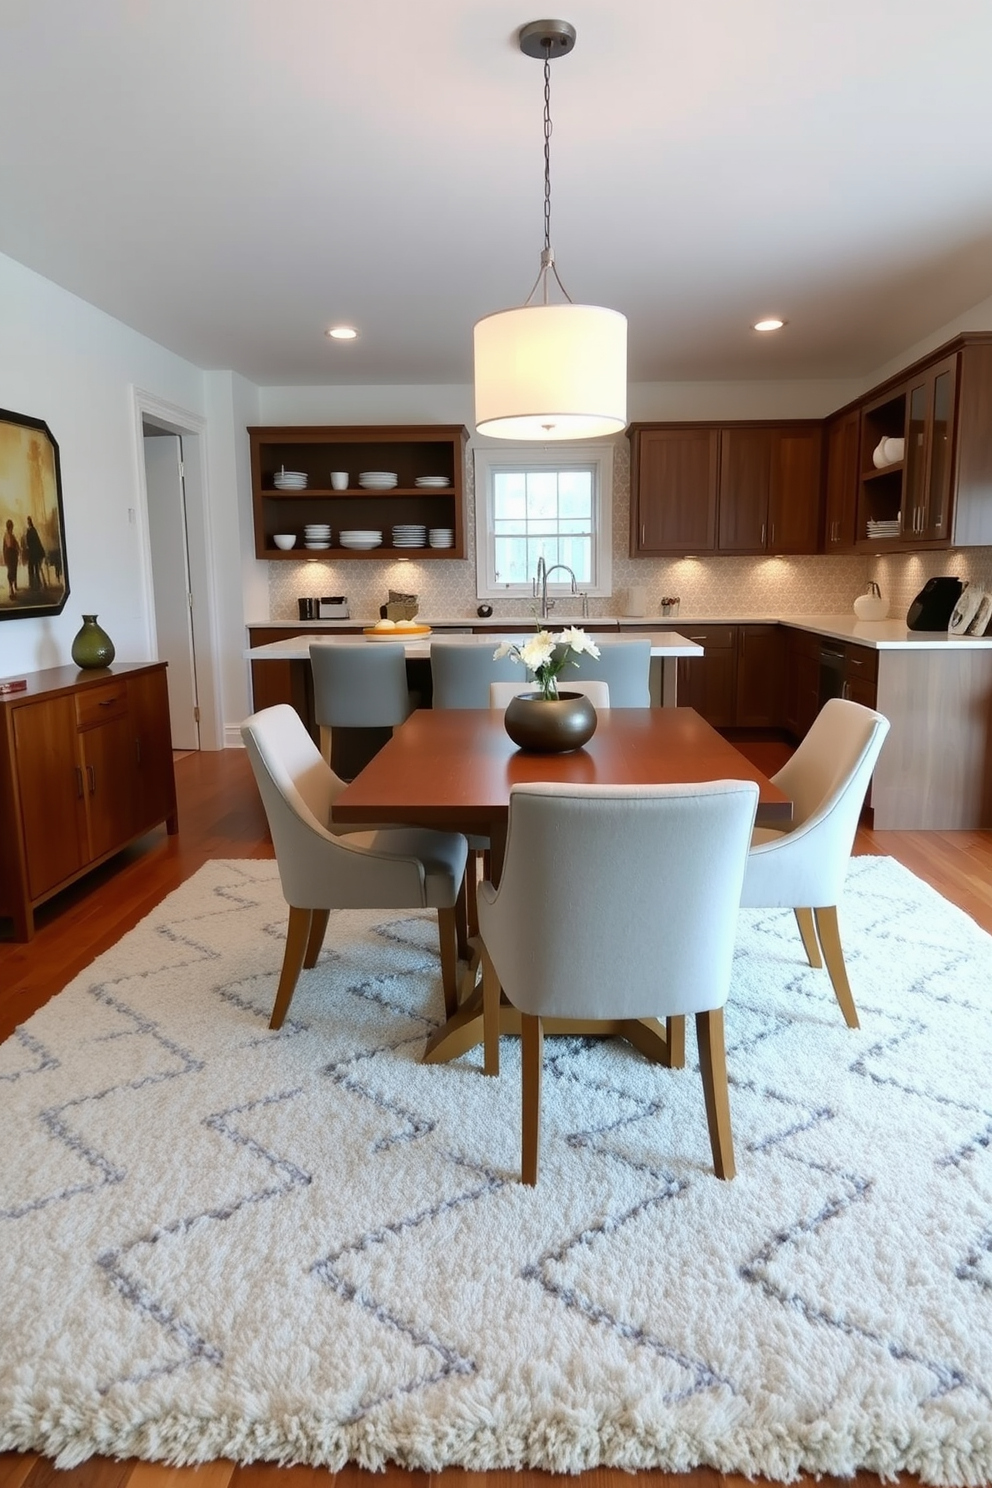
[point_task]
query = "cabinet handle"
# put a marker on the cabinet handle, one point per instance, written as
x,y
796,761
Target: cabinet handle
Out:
x,y
844,692
91,773
79,781
642,535
853,661
762,534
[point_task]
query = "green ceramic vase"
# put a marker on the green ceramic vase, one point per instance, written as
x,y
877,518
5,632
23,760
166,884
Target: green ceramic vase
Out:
x,y
92,646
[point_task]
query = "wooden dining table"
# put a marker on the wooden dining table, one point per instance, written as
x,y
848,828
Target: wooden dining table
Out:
x,y
453,769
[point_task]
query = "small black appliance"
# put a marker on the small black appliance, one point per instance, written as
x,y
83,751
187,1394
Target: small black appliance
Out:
x,y
934,605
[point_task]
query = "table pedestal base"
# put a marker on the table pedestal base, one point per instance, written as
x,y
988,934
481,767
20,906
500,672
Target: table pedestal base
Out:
x,y
662,1043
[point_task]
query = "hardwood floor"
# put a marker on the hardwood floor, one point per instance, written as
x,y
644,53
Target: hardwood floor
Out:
x,y
220,817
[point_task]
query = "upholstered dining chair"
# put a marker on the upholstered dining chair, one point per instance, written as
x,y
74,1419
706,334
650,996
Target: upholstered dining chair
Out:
x,y
320,870
617,902
500,693
461,673
803,868
358,686
625,667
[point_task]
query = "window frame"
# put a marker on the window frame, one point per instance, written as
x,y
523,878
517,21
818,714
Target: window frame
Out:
x,y
598,458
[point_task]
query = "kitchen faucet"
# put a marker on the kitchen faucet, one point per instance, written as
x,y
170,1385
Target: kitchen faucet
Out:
x,y
540,583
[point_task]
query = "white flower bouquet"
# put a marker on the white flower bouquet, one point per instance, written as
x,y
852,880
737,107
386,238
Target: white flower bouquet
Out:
x,y
547,655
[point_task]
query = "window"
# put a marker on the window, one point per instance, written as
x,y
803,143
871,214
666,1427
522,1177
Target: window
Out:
x,y
532,502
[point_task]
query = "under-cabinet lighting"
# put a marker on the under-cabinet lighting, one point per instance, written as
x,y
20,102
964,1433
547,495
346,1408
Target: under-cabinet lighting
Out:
x,y
772,323
342,333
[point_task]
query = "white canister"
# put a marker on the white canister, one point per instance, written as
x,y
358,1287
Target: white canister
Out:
x,y
637,600
871,605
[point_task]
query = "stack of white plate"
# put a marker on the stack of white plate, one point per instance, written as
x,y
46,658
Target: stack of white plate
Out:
x,y
426,482
409,535
290,480
361,539
316,535
442,537
378,480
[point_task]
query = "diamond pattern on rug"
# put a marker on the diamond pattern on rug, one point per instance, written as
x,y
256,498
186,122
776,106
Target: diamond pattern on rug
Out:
x,y
306,1245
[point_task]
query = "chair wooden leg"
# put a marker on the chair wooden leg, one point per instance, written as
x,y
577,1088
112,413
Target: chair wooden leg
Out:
x,y
462,916
804,919
713,1068
325,742
292,963
829,932
447,934
318,929
532,1063
491,992
675,1036
472,891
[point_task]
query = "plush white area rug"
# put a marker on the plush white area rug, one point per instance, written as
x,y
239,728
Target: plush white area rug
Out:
x,y
219,1241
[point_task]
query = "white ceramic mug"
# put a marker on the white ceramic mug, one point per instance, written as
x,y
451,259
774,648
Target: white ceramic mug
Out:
x,y
339,480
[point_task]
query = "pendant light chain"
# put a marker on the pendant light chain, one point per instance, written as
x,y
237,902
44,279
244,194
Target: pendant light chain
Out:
x,y
547,255
547,149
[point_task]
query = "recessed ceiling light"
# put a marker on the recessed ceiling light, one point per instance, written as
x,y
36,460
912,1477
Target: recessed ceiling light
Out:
x,y
771,324
342,333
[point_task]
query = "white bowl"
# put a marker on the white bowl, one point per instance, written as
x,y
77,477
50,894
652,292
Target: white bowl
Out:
x,y
284,540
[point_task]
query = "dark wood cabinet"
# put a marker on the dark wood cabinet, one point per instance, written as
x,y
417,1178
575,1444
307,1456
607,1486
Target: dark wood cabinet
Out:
x,y
926,499
737,488
708,683
85,767
673,500
411,451
744,485
801,696
760,684
843,438
795,494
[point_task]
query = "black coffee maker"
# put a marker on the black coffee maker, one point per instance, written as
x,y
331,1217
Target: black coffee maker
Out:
x,y
934,605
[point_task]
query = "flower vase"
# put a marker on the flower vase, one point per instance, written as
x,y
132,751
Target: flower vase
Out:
x,y
92,646
543,725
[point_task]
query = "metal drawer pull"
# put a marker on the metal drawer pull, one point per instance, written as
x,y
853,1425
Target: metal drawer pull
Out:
x,y
79,781
91,772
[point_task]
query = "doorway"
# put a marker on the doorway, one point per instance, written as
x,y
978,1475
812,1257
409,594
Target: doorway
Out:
x,y
171,586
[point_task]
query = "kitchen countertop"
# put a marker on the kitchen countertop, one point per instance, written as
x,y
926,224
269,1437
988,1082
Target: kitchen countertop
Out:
x,y
666,644
882,635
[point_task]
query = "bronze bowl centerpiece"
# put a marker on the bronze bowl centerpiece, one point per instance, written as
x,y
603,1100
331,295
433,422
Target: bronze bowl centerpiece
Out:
x,y
549,720
552,725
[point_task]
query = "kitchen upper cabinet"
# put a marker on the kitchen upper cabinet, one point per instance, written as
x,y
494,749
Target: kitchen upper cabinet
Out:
x,y
926,501
795,496
740,488
843,438
414,453
939,494
745,481
673,489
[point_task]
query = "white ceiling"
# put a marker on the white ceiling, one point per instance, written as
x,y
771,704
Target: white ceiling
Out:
x,y
231,176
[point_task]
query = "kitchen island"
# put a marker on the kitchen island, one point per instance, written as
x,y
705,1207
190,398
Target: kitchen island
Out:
x,y
935,770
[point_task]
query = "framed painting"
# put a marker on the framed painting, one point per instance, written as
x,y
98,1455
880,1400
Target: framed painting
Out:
x,y
34,578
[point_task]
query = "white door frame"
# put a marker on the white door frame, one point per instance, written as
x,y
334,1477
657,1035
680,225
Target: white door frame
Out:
x,y
192,428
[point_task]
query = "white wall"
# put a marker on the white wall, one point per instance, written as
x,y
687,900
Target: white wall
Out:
x,y
68,363
65,362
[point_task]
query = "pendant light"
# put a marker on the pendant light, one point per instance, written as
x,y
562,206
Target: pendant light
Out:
x,y
550,371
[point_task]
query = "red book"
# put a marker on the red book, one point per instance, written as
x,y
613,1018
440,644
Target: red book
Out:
x,y
19,684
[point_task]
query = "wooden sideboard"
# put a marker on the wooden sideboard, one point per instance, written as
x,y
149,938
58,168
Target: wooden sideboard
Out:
x,y
85,769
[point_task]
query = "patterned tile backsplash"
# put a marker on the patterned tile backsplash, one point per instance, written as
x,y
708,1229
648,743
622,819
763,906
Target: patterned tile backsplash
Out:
x,y
711,587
